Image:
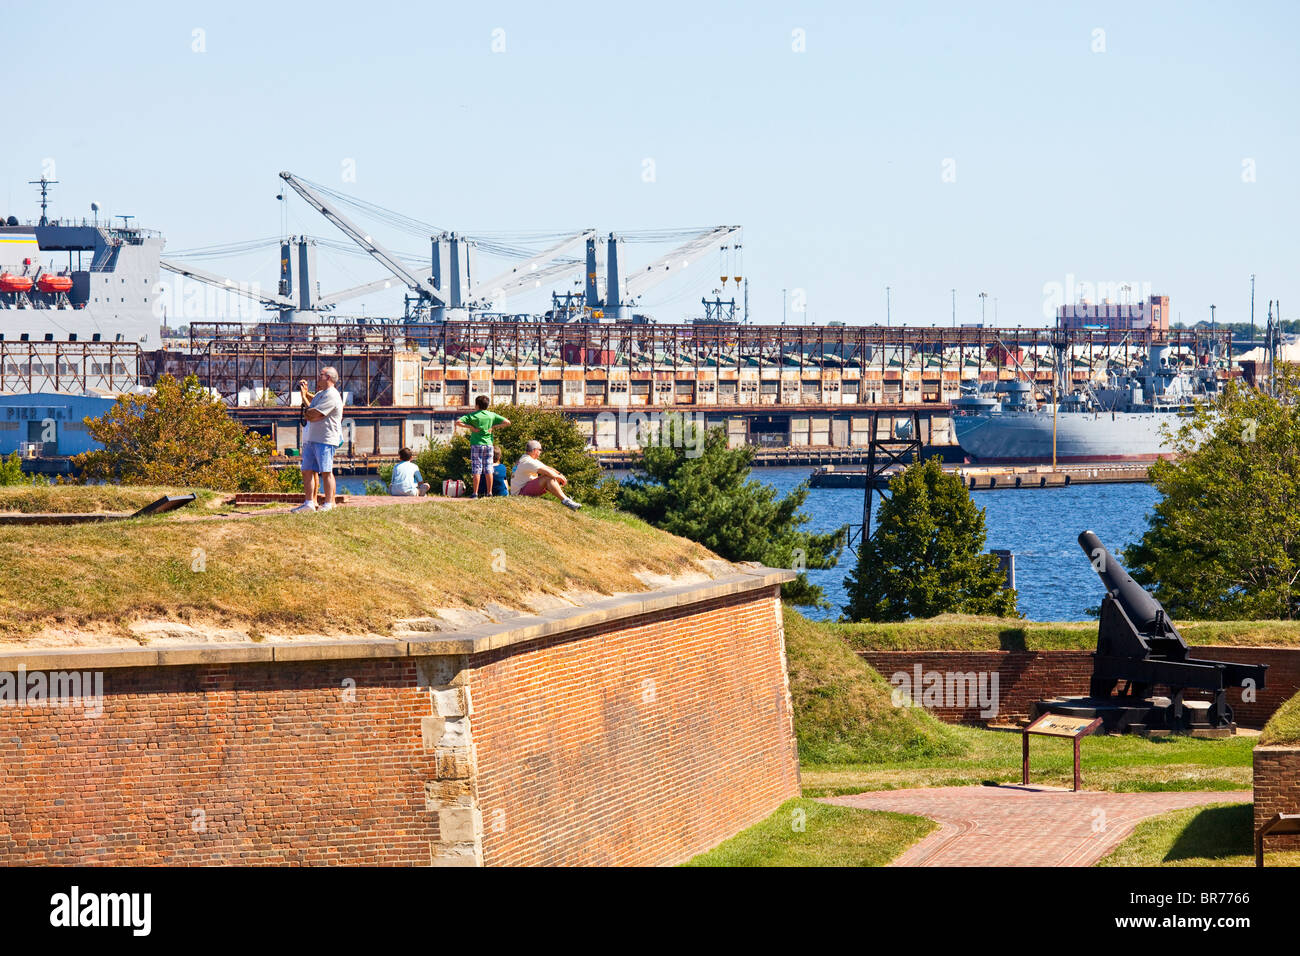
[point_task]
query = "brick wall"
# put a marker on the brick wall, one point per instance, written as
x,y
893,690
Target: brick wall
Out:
x,y
1277,790
641,729
230,763
1025,677
644,744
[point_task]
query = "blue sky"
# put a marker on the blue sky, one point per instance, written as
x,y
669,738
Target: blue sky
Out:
x,y
1112,157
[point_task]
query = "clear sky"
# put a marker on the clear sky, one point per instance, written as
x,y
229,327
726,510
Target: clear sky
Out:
x,y
920,146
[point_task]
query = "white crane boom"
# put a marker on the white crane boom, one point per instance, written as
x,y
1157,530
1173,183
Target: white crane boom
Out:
x,y
523,275
228,285
423,287
673,263
529,281
357,290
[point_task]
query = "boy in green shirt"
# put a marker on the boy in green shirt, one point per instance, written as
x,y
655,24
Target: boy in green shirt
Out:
x,y
480,424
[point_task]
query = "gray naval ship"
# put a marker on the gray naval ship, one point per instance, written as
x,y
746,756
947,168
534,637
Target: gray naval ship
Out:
x,y
79,280
1130,418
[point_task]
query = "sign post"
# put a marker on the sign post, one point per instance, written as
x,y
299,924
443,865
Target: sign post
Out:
x,y
1055,725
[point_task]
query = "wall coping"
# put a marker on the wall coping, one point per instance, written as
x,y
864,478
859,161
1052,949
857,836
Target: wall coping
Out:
x,y
411,642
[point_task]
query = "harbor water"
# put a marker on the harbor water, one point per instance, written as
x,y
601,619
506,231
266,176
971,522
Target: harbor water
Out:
x,y
1040,527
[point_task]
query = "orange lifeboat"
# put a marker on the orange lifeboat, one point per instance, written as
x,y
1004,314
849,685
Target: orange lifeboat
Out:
x,y
12,283
52,283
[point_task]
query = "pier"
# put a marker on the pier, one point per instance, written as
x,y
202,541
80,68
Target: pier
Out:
x,y
998,478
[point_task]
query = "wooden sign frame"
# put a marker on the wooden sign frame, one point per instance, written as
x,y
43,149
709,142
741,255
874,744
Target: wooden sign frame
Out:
x,y
1084,729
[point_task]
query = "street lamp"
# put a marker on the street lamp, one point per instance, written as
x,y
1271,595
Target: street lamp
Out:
x,y
954,308
983,298
886,306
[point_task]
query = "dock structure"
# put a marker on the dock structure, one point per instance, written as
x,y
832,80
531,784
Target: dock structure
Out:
x,y
997,478
798,394
791,388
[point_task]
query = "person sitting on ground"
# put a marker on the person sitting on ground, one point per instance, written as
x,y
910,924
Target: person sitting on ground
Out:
x,y
500,476
532,478
481,424
407,480
320,438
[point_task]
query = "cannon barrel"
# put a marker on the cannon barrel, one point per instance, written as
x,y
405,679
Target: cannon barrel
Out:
x,y
1141,608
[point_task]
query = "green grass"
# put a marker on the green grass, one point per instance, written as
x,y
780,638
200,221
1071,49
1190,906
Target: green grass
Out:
x,y
351,570
1220,834
63,499
962,632
1120,763
804,832
843,708
1284,726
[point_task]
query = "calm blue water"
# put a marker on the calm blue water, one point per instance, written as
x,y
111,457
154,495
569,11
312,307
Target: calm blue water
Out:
x,y
1055,580
1054,577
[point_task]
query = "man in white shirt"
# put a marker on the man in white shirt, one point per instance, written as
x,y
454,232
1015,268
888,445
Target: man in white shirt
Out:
x,y
532,478
321,437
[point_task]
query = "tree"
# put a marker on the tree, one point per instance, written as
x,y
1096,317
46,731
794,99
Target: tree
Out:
x,y
178,435
11,471
564,448
1223,543
693,485
927,554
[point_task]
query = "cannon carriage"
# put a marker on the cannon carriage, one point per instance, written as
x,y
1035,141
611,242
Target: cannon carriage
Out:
x,y
1143,677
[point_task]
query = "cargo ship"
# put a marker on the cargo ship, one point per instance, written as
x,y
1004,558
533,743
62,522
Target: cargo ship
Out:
x,y
81,280
1132,417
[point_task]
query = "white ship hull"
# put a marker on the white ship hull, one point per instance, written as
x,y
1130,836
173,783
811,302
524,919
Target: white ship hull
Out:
x,y
1026,436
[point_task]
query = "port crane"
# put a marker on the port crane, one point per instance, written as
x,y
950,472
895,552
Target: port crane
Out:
x,y
425,288
427,294
667,266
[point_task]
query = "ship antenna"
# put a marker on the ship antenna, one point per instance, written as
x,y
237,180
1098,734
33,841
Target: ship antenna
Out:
x,y
45,185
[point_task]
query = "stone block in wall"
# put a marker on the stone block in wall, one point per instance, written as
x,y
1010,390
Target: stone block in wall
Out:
x,y
431,729
453,764
448,793
457,824
449,702
442,670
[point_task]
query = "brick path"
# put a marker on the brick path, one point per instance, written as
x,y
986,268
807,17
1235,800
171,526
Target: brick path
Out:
x,y
1024,826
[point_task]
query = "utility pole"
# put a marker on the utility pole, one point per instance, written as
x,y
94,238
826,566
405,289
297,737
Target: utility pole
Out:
x,y
886,306
954,308
1252,308
783,306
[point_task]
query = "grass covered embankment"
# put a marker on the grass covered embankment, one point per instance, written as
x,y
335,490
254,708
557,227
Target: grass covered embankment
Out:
x,y
1284,726
351,570
67,499
956,632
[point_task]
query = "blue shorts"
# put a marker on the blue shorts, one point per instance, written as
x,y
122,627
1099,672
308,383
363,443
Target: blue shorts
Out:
x,y
317,456
480,459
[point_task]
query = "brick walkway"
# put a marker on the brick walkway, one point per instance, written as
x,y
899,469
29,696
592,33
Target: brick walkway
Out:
x,y
1024,826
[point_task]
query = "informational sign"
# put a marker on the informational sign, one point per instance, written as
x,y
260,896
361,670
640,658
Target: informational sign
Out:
x,y
1055,725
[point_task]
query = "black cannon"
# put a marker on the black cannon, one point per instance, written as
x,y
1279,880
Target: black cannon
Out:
x,y
1140,652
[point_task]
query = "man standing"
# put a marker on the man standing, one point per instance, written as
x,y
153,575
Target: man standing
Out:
x,y
321,437
533,479
480,424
